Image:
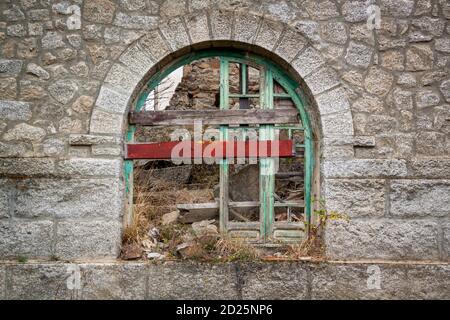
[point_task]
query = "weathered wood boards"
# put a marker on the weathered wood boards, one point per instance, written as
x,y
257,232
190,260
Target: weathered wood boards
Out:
x,y
210,149
214,117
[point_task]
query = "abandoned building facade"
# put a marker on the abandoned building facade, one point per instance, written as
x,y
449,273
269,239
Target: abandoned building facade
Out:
x,y
369,81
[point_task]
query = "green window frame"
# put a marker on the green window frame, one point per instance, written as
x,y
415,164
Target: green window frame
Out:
x,y
270,72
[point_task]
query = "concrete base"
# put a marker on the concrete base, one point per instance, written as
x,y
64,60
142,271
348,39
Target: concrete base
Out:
x,y
243,280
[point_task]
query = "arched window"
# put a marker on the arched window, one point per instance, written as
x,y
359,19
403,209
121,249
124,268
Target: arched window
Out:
x,y
255,102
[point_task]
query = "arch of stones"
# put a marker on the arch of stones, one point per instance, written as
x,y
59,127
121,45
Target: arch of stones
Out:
x,y
72,207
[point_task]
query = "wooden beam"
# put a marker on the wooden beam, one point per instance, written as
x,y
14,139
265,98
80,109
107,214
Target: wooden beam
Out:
x,y
214,117
210,149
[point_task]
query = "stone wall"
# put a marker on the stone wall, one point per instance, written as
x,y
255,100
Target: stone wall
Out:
x,y
69,71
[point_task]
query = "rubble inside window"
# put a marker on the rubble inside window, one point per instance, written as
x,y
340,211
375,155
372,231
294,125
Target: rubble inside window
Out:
x,y
218,208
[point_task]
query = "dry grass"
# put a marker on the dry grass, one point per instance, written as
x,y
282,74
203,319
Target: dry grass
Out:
x,y
236,250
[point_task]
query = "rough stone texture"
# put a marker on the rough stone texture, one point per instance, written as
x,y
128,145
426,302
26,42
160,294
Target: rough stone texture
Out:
x,y
364,168
272,281
411,198
182,281
368,197
112,282
15,110
22,238
87,239
2,282
382,239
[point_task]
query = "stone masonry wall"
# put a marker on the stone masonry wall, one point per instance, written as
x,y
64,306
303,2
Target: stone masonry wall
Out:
x,y
69,70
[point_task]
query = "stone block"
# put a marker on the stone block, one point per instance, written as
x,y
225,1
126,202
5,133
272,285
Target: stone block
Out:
x,y
429,282
356,197
155,45
99,11
261,281
365,168
77,239
74,198
221,24
429,168
5,191
322,80
112,100
106,122
340,123
245,27
133,21
268,34
15,110
122,79
332,101
40,281
30,239
420,198
90,139
10,68
359,55
197,25
113,281
356,11
308,61
358,281
189,280
27,167
382,239
446,241
137,60
290,45
79,167
175,33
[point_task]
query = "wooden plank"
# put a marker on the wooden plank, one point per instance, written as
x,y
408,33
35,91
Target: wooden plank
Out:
x,y
214,117
210,150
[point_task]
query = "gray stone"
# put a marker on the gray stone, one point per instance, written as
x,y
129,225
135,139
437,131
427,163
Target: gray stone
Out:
x,y
10,67
133,5
15,110
113,281
263,281
356,11
403,99
367,197
442,45
368,104
77,239
154,44
334,32
340,123
106,122
135,21
38,71
3,289
364,168
322,80
73,198
99,11
427,98
40,281
308,61
397,8
332,101
197,25
106,150
430,168
407,80
172,8
310,29
17,30
445,89
268,34
393,60
419,57
291,43
378,81
88,140
137,60
184,280
52,40
26,167
22,238
358,55
39,14
420,198
221,24
111,100
354,281
433,76
430,143
63,90
4,198
13,14
53,147
24,132
90,167
382,239
245,27
428,281
122,78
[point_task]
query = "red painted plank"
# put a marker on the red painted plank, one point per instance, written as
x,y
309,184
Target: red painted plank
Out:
x,y
210,149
